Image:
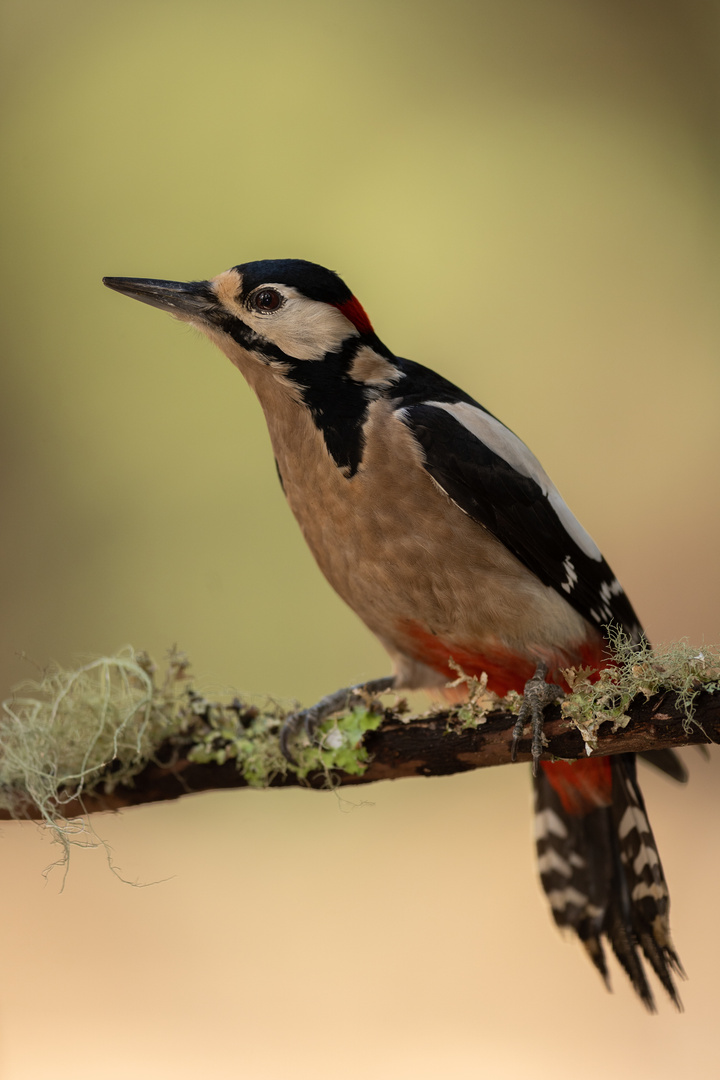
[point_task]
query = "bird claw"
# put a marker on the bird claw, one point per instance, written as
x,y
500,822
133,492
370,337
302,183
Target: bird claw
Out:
x,y
308,720
537,695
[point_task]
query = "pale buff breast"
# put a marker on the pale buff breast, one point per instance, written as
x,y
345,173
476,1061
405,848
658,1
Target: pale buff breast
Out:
x,y
399,552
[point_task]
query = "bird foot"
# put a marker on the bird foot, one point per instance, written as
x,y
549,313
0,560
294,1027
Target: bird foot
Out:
x,y
537,695
308,720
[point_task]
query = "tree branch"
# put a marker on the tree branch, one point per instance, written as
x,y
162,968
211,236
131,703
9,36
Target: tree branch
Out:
x,y
434,745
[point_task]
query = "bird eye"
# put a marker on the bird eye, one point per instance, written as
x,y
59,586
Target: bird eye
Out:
x,y
267,300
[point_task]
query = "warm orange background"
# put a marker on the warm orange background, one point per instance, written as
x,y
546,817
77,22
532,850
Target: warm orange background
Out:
x,y
524,196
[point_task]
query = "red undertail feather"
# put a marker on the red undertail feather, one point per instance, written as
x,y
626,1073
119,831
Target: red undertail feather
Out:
x,y
506,670
580,785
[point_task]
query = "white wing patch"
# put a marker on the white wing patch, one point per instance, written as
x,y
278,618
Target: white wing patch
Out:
x,y
506,445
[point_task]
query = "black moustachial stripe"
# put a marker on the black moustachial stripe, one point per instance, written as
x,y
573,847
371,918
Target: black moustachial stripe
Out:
x,y
337,403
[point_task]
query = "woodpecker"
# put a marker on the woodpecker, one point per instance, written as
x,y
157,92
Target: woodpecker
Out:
x,y
443,532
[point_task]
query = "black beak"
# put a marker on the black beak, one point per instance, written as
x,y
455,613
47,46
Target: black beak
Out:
x,y
189,300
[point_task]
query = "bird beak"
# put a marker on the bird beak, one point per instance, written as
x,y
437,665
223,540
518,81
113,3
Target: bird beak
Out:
x,y
184,300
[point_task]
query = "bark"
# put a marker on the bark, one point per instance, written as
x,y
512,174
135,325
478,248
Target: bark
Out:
x,y
428,746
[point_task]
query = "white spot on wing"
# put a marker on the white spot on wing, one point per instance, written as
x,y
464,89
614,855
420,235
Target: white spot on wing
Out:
x,y
506,445
608,589
571,572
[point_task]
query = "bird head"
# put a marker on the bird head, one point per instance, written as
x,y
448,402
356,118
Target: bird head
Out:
x,y
283,309
293,329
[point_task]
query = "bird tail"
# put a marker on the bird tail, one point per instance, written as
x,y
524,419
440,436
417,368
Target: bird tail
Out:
x,y
600,868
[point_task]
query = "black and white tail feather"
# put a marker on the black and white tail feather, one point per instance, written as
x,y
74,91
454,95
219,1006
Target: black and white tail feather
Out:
x,y
602,874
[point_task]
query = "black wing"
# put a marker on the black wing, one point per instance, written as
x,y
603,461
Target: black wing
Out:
x,y
514,507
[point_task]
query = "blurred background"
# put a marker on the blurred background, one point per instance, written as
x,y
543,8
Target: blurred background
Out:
x,y
524,196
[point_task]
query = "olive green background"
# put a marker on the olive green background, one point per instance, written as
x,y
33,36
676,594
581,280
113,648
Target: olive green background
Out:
x,y
524,196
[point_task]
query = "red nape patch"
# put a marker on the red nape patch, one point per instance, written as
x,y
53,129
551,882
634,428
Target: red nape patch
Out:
x,y
353,311
581,786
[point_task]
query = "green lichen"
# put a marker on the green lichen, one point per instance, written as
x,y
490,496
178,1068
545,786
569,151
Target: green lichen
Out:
x,y
240,733
338,745
68,735
250,738
681,669
62,732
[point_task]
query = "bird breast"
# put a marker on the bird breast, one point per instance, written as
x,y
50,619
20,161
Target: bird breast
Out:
x,y
404,557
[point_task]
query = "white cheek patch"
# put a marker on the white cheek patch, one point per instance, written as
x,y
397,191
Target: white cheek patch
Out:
x,y
303,329
506,445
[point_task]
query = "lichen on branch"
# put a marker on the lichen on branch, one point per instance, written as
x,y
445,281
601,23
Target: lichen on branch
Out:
x,y
70,735
680,669
114,732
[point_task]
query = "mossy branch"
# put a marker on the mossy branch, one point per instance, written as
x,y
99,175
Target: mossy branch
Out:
x,y
111,734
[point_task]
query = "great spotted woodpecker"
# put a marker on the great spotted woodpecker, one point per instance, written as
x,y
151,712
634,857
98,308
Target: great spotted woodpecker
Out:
x,y
442,531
